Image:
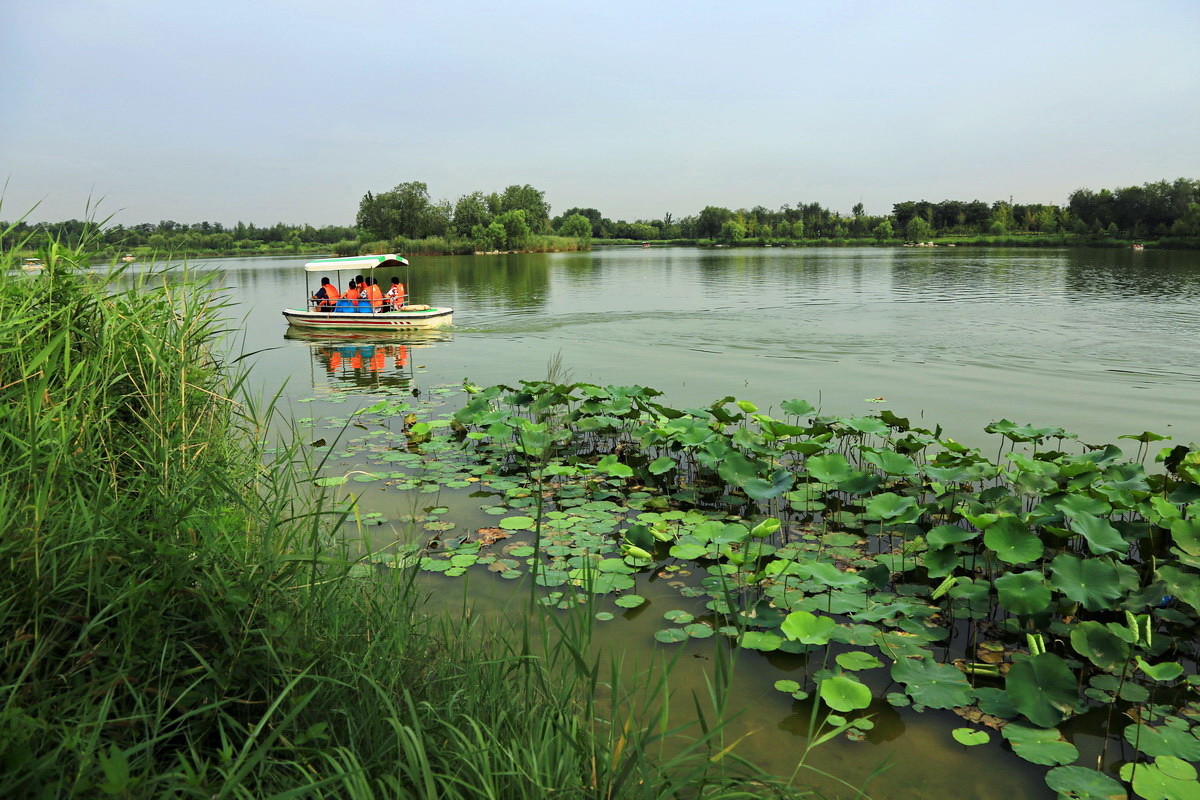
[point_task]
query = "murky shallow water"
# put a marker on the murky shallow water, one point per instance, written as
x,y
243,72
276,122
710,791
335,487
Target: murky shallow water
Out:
x,y
1100,342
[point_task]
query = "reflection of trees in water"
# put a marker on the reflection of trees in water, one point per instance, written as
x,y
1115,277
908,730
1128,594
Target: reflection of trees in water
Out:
x,y
1169,275
521,281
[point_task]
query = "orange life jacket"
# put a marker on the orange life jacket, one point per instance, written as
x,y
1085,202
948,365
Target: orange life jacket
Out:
x,y
375,296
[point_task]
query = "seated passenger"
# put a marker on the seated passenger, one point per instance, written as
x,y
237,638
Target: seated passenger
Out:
x,y
327,296
395,296
374,295
349,301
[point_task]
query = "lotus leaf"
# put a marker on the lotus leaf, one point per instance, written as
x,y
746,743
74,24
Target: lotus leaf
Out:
x,y
1100,535
1081,783
1186,535
787,686
890,462
844,693
1012,542
1039,745
630,601
798,408
671,635
518,523
1094,582
1023,592
893,507
808,628
1099,645
777,483
1043,688
857,660
1163,741
931,684
944,535
829,468
760,640
970,737
1168,778
698,630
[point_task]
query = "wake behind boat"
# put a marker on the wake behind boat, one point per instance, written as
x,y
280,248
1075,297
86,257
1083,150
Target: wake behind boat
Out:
x,y
332,312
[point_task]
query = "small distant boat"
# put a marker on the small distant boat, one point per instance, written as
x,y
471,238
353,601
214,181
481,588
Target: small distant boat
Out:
x,y
32,265
128,257
1138,247
405,318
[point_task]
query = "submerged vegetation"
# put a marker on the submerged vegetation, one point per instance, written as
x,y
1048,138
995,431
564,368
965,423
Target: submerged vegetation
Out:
x,y
178,621
1044,593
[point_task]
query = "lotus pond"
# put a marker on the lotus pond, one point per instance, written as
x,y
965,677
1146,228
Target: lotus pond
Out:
x,y
1036,592
994,609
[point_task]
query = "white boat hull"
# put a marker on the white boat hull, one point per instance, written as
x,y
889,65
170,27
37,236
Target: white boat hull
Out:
x,y
347,321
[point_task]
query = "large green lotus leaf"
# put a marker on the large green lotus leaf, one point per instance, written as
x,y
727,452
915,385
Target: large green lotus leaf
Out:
x,y
1043,688
1101,536
1095,582
1081,783
1012,542
845,693
931,684
1023,592
1182,585
799,408
760,640
736,469
893,507
1074,504
1099,645
830,576
857,660
807,628
890,462
1039,745
775,486
941,562
943,535
1164,741
688,552
1168,778
661,465
829,468
1186,534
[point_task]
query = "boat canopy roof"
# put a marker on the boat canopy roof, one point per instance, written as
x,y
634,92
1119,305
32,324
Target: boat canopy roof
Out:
x,y
355,263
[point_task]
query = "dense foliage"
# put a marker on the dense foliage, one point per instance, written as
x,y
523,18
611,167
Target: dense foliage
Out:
x,y
1045,593
178,622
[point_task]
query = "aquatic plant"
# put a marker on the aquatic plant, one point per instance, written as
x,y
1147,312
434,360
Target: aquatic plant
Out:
x,y
1022,590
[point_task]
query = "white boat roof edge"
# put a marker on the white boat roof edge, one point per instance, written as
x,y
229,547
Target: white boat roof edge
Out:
x,y
355,263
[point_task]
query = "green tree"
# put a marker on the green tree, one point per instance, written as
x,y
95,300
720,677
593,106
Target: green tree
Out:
x,y
471,210
530,200
711,219
732,230
576,225
884,230
918,230
401,212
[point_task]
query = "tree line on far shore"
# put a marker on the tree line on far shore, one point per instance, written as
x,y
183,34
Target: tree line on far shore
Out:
x,y
407,219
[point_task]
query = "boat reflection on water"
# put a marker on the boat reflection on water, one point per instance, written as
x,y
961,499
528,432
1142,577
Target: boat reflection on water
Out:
x,y
344,362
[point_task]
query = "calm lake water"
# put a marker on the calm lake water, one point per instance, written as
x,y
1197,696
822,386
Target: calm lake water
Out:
x,y
1100,342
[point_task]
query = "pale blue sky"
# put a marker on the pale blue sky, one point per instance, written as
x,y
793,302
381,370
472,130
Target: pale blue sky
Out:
x,y
290,111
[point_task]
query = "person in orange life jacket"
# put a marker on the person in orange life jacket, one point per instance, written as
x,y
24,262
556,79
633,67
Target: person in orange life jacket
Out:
x,y
349,301
395,295
327,296
374,294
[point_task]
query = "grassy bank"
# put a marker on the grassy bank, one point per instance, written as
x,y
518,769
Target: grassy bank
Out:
x,y
178,622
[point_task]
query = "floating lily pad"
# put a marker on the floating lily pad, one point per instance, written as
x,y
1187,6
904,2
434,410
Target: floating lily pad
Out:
x,y
1039,745
970,737
630,600
844,693
671,635
1081,783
